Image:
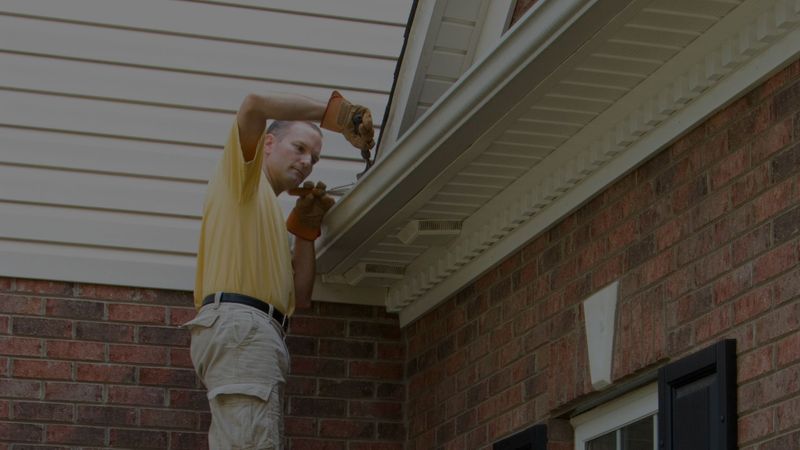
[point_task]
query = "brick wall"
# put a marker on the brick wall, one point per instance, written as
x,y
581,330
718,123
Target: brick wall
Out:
x,y
704,241
106,367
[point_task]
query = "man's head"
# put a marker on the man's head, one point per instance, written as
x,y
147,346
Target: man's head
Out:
x,y
291,148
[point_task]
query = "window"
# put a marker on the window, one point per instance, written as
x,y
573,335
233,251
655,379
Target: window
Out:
x,y
693,406
627,423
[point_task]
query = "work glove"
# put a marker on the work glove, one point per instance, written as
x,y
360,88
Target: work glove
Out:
x,y
313,202
353,121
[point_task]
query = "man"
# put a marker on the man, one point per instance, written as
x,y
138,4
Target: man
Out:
x,y
248,282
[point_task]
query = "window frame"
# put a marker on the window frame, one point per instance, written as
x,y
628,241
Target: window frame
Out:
x,y
617,413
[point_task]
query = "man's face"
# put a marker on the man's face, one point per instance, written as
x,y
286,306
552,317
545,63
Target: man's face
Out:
x,y
290,157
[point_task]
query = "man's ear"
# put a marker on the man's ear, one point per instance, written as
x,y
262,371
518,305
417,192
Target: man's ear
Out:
x,y
269,142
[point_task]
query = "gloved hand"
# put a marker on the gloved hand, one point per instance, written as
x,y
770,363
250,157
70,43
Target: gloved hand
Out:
x,y
305,220
353,121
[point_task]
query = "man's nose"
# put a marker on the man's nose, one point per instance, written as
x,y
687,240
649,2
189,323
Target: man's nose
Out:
x,y
305,159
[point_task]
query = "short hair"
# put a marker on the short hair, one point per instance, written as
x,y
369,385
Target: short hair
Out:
x,y
278,128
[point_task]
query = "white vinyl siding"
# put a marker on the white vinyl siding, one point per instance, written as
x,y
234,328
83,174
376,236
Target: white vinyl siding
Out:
x,y
114,113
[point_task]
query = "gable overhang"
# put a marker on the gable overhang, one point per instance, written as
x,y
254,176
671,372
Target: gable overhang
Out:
x,y
740,45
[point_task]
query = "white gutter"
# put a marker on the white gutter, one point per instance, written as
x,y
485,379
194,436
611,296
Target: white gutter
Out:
x,y
538,43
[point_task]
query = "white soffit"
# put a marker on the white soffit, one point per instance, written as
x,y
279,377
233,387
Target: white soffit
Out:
x,y
577,93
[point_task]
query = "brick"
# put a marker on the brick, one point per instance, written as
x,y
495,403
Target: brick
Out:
x,y
38,411
20,388
105,373
136,395
712,208
778,323
783,384
713,324
299,345
42,369
327,309
712,266
103,332
346,389
307,326
788,350
21,432
331,368
57,307
377,410
188,441
785,164
550,258
751,125
181,399
167,418
689,195
729,168
732,284
300,426
170,336
787,414
346,348
752,304
25,326
105,292
139,438
75,350
392,352
748,186
180,357
755,426
16,346
69,434
75,392
772,140
179,316
783,442
751,244
137,313
106,415
754,364
44,287
22,305
379,370
375,330
316,444
137,354
775,262
346,429
316,407
166,297
786,226
774,201
167,377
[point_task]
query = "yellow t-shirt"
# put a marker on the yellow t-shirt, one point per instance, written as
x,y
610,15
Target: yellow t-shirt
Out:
x,y
244,245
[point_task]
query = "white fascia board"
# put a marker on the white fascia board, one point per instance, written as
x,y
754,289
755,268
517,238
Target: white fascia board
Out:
x,y
745,77
409,67
479,99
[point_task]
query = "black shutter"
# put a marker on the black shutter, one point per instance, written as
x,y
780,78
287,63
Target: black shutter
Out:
x,y
697,400
534,438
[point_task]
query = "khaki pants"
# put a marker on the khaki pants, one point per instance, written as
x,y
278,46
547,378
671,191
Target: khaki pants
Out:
x,y
240,355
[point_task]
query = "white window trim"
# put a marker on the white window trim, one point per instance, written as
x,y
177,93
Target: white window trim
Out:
x,y
615,414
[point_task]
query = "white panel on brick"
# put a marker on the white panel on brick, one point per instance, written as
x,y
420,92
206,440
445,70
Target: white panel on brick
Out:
x,y
150,85
93,265
219,22
99,228
395,12
101,191
223,58
131,120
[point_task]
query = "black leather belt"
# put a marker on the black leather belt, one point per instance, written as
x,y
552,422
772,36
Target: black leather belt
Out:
x,y
229,297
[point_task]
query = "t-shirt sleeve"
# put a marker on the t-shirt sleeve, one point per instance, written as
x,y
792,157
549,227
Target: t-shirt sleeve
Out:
x,y
241,176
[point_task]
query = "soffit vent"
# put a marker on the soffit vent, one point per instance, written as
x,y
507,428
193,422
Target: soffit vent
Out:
x,y
374,274
429,232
